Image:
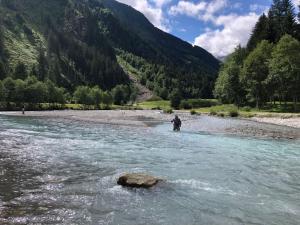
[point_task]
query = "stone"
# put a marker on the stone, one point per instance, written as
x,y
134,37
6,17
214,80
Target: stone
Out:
x,y
138,180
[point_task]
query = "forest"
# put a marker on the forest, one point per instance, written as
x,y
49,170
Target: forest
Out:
x,y
81,43
267,70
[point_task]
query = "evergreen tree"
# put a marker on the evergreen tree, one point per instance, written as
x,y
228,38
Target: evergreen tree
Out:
x,y
2,71
42,65
255,72
20,71
260,32
285,70
54,71
3,55
2,96
33,71
282,18
298,25
1,43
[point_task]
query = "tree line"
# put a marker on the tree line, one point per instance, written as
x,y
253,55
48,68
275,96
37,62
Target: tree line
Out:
x,y
268,69
33,92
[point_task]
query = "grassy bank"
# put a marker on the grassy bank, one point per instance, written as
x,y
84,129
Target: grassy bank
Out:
x,y
48,106
212,107
194,106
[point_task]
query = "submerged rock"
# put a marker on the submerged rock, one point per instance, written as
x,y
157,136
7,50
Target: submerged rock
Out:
x,y
138,180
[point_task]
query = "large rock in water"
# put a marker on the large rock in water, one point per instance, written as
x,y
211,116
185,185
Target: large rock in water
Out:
x,y
138,180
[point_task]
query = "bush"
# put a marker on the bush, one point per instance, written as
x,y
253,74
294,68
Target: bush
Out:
x,y
221,114
156,108
168,111
154,98
202,103
233,113
193,112
247,108
185,105
212,113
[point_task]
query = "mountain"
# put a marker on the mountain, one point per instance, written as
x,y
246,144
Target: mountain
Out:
x,y
100,42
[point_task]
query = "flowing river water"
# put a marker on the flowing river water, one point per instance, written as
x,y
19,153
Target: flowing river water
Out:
x,y
58,171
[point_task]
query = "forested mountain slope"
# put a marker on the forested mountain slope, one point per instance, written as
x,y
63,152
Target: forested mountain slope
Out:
x,y
95,42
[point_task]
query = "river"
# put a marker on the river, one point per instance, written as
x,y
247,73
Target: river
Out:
x,y
59,171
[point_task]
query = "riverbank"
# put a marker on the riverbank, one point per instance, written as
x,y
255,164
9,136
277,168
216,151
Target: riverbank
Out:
x,y
281,120
261,127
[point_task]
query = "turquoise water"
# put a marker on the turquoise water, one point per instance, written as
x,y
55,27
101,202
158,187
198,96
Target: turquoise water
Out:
x,y
64,172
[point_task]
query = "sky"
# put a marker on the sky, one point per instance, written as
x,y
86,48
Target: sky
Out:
x,y
216,25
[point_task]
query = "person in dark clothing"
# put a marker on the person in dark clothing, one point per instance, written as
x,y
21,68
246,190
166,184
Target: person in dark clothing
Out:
x,y
176,124
23,109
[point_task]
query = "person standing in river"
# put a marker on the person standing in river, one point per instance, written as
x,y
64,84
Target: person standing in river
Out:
x,y
176,123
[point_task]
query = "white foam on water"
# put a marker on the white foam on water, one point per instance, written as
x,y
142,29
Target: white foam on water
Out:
x,y
196,184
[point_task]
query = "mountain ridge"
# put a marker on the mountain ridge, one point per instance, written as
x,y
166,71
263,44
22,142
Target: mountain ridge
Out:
x,y
85,39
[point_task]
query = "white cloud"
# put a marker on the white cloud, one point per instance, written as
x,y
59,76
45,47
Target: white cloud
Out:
x,y
296,2
232,29
188,8
160,3
235,30
154,13
259,8
202,10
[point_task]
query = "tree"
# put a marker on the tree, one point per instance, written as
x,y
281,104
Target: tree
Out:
x,y
20,71
3,55
82,95
175,98
121,94
42,65
54,71
31,80
255,72
298,25
228,87
35,92
285,68
107,99
20,91
54,94
118,95
2,71
9,90
282,18
97,95
2,94
260,32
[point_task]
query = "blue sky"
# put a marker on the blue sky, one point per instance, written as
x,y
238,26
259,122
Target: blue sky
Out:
x,y
216,25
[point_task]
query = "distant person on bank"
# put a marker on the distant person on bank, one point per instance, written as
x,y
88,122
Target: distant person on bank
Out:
x,y
176,123
23,109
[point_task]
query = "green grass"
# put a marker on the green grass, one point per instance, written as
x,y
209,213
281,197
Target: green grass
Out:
x,y
163,105
225,110
228,109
